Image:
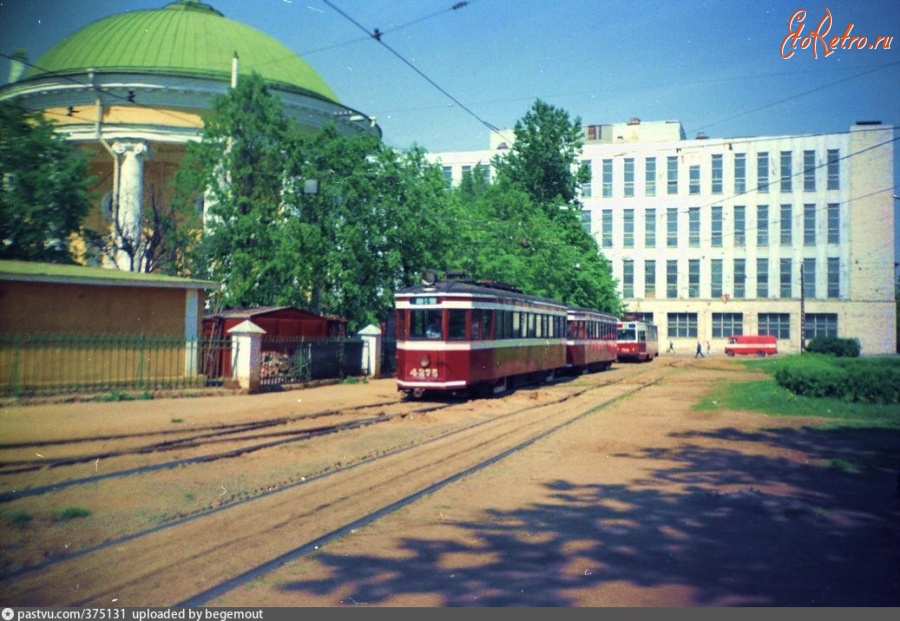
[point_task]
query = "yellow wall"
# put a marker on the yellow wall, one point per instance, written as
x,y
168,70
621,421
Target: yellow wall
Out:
x,y
89,309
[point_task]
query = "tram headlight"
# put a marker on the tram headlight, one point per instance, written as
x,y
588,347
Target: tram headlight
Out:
x,y
424,361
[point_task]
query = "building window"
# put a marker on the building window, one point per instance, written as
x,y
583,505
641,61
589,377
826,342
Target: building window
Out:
x,y
628,228
485,171
717,173
834,223
740,278
809,224
650,176
786,225
607,178
740,173
694,227
671,278
681,325
694,278
650,278
586,186
785,278
740,225
762,278
762,172
629,176
606,228
586,220
650,228
834,169
628,278
820,324
448,175
834,277
694,179
647,317
775,324
809,278
672,227
466,170
809,171
716,232
727,324
762,225
715,281
672,174
786,172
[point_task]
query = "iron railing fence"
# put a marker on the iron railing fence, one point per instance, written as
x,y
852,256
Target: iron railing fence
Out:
x,y
291,360
388,358
52,364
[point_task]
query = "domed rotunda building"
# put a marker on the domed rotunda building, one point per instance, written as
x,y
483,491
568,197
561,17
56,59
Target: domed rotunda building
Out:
x,y
131,90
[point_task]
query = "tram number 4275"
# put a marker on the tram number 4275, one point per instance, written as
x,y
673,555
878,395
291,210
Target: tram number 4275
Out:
x,y
424,373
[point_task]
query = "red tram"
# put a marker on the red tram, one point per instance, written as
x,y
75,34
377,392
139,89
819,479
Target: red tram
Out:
x,y
590,340
638,340
455,335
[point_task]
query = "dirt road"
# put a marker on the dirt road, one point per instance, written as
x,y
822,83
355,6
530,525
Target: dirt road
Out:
x,y
604,490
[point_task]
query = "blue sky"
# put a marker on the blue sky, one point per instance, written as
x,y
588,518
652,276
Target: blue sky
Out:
x,y
716,66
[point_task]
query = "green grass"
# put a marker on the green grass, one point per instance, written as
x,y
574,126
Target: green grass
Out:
x,y
70,513
768,397
21,518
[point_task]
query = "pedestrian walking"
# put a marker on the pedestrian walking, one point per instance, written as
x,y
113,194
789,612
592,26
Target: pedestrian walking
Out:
x,y
671,347
708,350
699,353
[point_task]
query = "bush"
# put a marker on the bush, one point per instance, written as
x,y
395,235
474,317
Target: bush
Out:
x,y
874,381
834,346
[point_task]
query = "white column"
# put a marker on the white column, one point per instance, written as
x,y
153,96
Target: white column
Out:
x,y
246,354
131,156
371,335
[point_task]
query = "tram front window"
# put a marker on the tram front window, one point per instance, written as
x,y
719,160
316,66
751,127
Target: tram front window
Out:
x,y
425,324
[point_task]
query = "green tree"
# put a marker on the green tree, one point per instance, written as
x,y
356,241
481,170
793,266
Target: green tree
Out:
x,y
526,227
543,160
329,223
238,168
44,189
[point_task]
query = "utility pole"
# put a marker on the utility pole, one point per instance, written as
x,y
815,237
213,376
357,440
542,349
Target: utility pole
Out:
x,y
802,313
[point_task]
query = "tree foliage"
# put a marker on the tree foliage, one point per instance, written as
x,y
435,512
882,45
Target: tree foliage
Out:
x,y
44,189
526,228
325,222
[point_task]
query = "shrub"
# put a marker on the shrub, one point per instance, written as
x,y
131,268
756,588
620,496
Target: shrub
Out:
x,y
874,381
70,513
834,346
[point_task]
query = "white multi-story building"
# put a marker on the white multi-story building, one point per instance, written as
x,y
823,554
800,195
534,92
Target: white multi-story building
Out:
x,y
709,237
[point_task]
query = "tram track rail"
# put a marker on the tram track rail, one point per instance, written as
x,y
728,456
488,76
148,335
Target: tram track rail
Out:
x,y
400,476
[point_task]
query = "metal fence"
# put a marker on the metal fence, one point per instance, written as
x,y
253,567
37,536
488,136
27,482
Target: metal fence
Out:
x,y
45,364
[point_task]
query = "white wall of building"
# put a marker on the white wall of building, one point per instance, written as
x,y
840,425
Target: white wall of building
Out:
x,y
841,228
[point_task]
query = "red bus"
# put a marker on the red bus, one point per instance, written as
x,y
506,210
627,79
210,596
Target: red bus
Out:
x,y
637,340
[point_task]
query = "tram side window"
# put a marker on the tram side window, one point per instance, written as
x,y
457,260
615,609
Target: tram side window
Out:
x,y
456,324
532,325
481,324
503,325
425,324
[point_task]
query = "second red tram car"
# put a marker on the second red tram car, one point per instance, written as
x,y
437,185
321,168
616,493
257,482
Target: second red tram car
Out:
x,y
590,339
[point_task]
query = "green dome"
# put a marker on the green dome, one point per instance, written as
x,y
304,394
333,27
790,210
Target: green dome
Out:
x,y
184,38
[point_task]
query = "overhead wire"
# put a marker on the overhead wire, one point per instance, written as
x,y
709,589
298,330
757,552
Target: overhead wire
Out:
x,y
377,35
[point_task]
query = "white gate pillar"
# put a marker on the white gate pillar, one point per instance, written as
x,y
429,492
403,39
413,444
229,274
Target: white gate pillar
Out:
x,y
371,336
246,355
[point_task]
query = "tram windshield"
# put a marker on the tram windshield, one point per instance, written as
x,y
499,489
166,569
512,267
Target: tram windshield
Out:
x,y
425,324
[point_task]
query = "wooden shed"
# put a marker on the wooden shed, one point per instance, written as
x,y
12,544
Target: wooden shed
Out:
x,y
279,322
